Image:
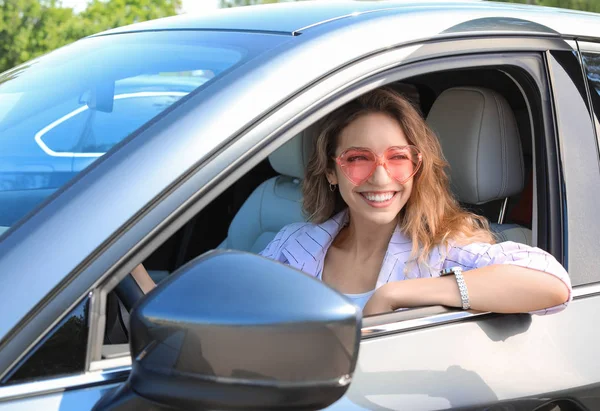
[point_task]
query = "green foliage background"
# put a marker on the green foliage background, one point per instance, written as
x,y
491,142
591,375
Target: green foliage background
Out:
x,y
585,5
29,28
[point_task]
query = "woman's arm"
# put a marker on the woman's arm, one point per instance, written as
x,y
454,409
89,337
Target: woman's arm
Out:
x,y
142,278
505,278
496,288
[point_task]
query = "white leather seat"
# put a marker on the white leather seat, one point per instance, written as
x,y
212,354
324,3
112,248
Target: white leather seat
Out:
x,y
275,203
480,140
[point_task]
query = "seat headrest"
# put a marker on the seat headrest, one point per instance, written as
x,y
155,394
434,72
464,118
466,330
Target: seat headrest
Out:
x,y
480,140
291,158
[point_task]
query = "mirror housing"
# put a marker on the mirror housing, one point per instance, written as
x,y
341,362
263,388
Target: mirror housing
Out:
x,y
233,330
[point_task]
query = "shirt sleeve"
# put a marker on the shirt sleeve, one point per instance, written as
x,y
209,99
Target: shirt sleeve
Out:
x,y
273,249
478,255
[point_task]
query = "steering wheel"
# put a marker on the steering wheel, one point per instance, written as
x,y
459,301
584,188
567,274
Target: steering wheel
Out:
x,y
129,292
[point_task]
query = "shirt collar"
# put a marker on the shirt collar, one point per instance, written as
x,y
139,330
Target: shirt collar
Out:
x,y
307,251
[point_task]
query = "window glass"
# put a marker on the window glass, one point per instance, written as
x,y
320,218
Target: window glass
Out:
x,y
61,352
61,112
592,69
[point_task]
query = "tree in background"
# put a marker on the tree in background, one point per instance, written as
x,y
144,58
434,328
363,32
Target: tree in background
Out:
x,y
237,3
29,28
101,15
585,5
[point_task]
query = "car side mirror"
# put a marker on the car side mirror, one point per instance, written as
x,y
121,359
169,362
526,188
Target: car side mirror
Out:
x,y
232,330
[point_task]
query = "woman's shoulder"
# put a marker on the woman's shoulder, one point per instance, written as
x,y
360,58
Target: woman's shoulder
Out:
x,y
291,231
294,229
312,237
288,234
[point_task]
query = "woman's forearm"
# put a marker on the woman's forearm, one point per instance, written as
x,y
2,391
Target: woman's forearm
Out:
x,y
143,279
496,288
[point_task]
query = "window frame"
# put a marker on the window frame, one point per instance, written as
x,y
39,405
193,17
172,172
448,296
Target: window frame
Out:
x,y
576,139
253,146
591,48
418,317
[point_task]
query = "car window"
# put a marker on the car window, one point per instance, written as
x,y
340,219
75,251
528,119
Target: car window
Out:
x,y
61,112
61,352
592,69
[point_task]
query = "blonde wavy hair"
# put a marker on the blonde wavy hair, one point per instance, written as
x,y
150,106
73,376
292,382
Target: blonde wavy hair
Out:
x,y
432,215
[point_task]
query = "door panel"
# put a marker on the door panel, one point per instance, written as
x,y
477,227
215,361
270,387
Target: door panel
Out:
x,y
517,362
497,358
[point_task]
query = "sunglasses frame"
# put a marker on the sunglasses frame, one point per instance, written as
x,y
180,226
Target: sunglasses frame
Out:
x,y
381,161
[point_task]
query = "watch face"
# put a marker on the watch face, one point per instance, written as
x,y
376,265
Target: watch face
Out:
x,y
448,271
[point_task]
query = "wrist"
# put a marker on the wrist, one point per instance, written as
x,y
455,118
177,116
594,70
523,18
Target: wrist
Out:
x,y
460,295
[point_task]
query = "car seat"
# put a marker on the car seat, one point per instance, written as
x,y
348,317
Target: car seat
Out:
x,y
276,202
480,140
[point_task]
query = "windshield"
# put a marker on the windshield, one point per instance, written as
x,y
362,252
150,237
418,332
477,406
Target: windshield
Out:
x,y
61,112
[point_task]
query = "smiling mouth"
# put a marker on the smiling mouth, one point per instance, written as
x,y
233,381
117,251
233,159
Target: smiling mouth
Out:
x,y
379,197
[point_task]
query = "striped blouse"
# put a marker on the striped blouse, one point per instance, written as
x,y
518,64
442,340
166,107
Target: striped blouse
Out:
x,y
304,245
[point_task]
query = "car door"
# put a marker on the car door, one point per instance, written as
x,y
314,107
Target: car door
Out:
x,y
422,358
448,360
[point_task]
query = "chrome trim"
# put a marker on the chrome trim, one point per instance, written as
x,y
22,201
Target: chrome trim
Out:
x,y
92,325
110,363
429,321
502,211
586,290
587,46
97,327
90,379
448,316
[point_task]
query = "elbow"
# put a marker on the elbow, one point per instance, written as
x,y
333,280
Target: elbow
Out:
x,y
559,298
558,294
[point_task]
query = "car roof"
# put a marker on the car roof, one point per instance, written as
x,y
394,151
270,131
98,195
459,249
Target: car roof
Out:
x,y
294,18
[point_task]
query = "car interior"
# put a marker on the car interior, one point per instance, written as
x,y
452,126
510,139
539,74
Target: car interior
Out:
x,y
483,123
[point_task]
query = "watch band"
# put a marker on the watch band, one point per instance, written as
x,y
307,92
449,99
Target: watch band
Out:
x,y
462,286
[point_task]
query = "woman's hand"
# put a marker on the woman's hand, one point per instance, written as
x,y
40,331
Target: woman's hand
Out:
x,y
379,303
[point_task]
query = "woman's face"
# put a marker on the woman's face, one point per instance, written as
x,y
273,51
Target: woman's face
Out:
x,y
380,198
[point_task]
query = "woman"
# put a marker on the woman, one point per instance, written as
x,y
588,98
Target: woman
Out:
x,y
377,195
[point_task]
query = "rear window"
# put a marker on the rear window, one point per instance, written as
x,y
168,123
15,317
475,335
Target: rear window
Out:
x,y
61,112
591,61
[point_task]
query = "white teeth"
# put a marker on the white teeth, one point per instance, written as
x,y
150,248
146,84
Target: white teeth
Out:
x,y
378,197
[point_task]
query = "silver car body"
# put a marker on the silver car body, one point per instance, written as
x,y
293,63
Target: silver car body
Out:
x,y
446,360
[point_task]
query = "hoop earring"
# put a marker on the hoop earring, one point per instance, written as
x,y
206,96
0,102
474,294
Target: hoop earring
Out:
x,y
332,187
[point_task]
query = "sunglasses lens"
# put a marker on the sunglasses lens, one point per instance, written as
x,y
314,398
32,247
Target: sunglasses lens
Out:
x,y
402,162
358,165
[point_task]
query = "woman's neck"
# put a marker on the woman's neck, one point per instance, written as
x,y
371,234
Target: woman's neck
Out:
x,y
365,239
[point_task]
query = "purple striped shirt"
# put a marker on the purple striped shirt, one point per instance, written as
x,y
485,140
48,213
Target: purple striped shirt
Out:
x,y
304,245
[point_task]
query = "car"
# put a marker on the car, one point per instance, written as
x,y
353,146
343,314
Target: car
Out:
x,y
197,184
